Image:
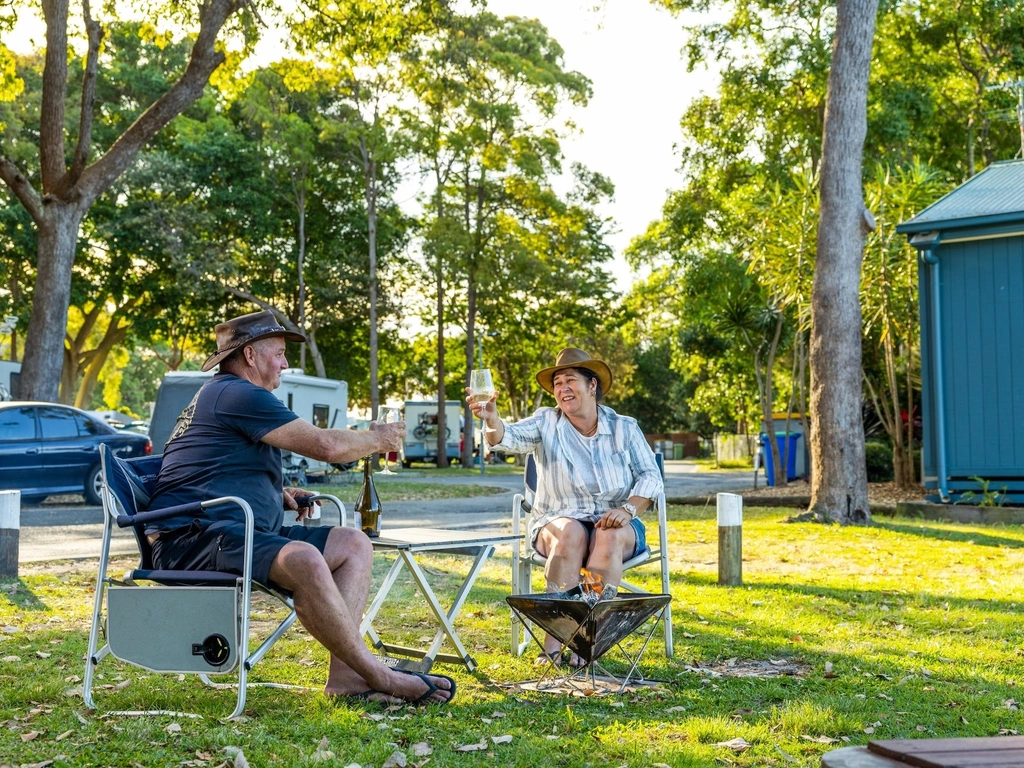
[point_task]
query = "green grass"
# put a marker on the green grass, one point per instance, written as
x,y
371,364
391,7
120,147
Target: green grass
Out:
x,y
396,489
906,629
708,465
501,468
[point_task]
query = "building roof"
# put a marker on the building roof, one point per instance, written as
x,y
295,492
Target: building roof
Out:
x,y
994,196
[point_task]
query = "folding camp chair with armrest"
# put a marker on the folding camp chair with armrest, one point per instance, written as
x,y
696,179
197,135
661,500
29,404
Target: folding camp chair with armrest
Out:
x,y
523,562
186,621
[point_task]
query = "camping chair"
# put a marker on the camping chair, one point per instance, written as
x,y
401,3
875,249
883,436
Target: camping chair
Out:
x,y
185,621
523,562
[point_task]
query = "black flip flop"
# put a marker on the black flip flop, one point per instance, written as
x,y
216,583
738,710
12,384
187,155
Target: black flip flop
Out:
x,y
431,688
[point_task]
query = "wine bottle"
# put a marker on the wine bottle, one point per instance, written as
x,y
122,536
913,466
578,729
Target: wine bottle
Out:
x,y
368,504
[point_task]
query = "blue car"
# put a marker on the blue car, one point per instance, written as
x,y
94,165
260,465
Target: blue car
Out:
x,y
47,449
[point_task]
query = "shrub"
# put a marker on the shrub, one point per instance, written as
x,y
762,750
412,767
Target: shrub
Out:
x,y
879,461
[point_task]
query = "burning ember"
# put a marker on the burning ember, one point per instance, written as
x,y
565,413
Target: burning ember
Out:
x,y
591,583
592,588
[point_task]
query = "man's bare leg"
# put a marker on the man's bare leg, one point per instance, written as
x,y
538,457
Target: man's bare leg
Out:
x,y
322,585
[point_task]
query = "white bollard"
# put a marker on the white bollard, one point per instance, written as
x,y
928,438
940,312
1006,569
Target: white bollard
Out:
x,y
10,524
730,539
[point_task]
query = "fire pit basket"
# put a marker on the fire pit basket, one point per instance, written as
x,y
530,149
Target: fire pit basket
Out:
x,y
589,628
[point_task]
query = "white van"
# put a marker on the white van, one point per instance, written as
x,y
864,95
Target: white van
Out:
x,y
323,402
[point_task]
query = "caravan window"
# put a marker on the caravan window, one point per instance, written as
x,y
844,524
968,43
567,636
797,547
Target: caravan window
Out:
x,y
320,415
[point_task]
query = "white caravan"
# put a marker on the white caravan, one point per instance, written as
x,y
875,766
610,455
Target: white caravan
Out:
x,y
421,430
323,402
9,373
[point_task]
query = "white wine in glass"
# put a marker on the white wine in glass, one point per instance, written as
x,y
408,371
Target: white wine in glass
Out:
x,y
481,388
388,416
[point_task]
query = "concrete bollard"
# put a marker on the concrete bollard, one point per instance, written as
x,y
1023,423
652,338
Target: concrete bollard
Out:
x,y
730,539
10,523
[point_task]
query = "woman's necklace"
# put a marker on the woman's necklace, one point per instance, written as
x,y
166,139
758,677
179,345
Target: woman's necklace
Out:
x,y
590,432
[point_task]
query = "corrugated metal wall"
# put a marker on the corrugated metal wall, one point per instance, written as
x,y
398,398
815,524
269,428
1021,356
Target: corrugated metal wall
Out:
x,y
982,304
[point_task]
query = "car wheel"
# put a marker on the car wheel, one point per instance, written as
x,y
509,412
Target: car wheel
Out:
x,y
93,486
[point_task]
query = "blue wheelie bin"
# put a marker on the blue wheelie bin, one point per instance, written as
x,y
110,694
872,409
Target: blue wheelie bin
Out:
x,y
769,462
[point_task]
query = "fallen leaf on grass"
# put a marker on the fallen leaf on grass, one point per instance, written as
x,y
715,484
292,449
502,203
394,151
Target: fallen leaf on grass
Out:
x,y
473,747
869,730
688,636
421,749
819,739
45,763
63,736
322,752
237,757
31,736
173,728
396,760
1010,704
739,744
11,659
43,654
501,739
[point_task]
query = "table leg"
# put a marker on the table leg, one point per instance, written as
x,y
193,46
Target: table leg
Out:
x,y
366,625
443,617
456,608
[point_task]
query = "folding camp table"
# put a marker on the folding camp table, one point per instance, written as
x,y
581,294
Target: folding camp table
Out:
x,y
407,544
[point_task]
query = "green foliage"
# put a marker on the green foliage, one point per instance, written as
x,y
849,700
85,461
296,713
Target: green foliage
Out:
x,y
878,455
985,496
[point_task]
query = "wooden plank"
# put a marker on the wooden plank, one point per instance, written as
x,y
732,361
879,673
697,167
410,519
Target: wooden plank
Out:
x,y
974,745
980,752
950,760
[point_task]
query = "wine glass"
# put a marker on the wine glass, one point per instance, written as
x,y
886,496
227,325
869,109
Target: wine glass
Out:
x,y
388,416
481,389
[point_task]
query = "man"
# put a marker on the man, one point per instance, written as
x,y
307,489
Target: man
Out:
x,y
228,442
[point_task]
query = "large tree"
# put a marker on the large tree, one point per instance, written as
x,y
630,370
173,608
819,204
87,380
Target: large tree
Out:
x,y
839,483
73,174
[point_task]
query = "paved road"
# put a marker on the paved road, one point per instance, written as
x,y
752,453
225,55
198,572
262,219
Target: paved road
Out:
x,y
73,531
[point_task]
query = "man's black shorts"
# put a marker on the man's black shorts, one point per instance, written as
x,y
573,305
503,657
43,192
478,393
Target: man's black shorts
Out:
x,y
220,546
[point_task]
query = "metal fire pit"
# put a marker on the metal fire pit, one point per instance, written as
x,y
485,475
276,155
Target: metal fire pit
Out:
x,y
587,628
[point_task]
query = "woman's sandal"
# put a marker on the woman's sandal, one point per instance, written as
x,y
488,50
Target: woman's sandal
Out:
x,y
554,659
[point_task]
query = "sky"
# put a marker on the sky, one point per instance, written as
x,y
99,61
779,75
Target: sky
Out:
x,y
630,50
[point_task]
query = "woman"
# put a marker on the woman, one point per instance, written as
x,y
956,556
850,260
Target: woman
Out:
x,y
596,476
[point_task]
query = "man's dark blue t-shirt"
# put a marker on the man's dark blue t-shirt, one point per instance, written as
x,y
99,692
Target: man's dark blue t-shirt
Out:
x,y
216,450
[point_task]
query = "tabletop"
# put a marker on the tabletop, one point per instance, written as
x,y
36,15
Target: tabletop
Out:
x,y
439,538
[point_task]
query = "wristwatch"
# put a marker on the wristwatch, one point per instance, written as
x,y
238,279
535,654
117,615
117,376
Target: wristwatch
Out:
x,y
631,510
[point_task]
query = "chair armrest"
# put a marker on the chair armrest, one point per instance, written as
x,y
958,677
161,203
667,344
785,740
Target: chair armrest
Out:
x,y
126,521
336,502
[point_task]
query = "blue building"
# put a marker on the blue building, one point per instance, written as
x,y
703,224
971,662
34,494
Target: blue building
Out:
x,y
971,286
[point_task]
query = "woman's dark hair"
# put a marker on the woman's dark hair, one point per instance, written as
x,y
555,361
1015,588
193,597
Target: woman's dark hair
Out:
x,y
590,376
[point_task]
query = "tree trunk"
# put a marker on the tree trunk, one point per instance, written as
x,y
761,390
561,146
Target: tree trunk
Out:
x,y
442,441
51,297
299,189
839,486
468,423
370,189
